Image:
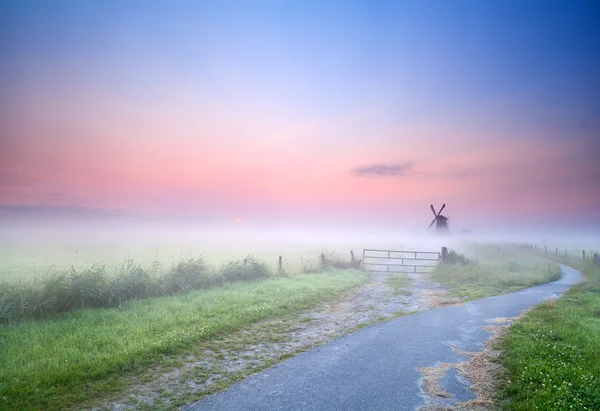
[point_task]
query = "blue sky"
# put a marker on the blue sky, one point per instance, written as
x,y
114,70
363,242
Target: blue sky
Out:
x,y
408,77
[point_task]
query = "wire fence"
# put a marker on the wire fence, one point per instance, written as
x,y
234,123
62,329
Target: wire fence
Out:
x,y
561,251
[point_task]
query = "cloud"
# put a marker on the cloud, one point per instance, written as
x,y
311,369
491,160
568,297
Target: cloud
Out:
x,y
383,170
406,168
454,171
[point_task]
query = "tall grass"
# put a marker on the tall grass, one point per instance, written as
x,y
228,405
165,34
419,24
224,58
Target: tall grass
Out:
x,y
330,261
493,271
63,291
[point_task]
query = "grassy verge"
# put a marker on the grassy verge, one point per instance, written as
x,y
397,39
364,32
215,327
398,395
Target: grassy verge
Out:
x,y
60,291
552,355
491,271
63,291
61,362
399,282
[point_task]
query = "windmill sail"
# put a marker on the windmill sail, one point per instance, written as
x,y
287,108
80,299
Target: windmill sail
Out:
x,y
441,222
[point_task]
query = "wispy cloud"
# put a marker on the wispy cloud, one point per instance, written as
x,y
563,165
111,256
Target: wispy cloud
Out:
x,y
455,171
404,169
383,170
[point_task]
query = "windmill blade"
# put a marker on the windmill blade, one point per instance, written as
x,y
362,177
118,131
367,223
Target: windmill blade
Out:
x,y
442,209
433,210
433,221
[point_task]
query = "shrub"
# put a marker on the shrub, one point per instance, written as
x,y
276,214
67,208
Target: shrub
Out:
x,y
328,261
55,296
456,258
87,287
255,270
248,270
188,275
131,283
232,271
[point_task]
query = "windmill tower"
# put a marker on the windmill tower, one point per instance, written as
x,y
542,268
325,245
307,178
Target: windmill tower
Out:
x,y
441,222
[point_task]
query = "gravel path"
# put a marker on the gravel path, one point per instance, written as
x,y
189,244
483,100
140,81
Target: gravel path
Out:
x,y
382,367
201,372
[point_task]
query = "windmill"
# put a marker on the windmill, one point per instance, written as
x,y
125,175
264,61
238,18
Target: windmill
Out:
x,y
441,222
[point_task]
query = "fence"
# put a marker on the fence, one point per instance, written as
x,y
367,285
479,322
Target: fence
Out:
x,y
391,261
555,250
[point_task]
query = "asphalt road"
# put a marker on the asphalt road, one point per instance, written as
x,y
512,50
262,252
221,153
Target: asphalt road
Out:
x,y
376,368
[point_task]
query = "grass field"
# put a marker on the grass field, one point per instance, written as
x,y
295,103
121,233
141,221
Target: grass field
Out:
x,y
23,261
29,252
486,270
78,357
58,363
552,355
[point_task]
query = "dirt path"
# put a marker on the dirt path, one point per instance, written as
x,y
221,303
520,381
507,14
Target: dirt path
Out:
x,y
221,362
434,359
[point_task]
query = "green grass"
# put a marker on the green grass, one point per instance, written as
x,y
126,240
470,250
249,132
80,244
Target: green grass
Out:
x,y
26,260
399,283
62,291
488,271
552,355
61,362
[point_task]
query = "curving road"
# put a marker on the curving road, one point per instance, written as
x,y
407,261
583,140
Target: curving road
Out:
x,y
376,368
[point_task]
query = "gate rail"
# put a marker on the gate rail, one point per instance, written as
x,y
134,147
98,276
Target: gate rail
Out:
x,y
414,260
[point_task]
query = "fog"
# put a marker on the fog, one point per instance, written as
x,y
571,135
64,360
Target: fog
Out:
x,y
124,232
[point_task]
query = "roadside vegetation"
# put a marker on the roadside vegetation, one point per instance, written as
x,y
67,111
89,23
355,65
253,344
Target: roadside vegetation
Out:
x,y
330,261
552,355
60,291
400,283
488,270
60,362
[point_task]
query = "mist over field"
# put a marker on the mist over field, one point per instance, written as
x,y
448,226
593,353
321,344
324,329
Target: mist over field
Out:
x,y
33,241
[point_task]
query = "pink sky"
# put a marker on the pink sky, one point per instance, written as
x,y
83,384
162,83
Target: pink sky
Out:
x,y
342,137
151,161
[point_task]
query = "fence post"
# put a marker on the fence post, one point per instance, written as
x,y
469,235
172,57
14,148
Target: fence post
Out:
x,y
545,248
363,259
556,250
245,261
352,256
323,260
583,253
444,255
280,264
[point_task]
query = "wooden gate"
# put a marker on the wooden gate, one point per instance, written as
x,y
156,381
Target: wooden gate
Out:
x,y
392,261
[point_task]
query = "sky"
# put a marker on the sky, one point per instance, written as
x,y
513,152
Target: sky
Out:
x,y
304,110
